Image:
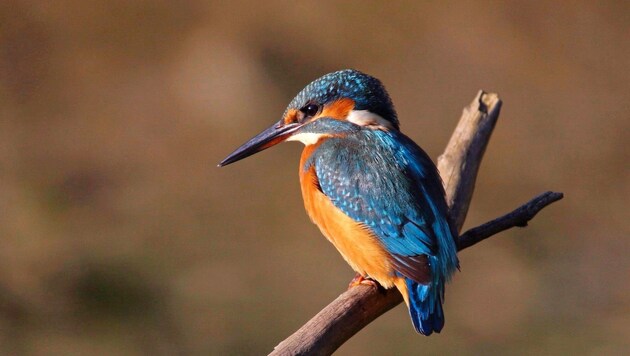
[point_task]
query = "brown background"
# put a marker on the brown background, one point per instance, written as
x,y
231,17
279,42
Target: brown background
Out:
x,y
120,236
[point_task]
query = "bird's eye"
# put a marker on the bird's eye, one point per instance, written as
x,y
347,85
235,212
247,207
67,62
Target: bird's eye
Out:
x,y
310,110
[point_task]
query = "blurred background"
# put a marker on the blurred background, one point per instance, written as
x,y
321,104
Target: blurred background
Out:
x,y
120,235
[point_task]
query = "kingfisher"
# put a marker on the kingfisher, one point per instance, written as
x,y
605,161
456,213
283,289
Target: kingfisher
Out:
x,y
372,191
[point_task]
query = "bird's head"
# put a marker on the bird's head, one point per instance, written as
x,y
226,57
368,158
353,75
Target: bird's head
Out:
x,y
329,106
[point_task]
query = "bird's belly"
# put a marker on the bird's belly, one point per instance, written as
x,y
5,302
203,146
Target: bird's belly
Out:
x,y
358,246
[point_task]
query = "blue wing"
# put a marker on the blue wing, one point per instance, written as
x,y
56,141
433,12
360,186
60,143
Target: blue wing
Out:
x,y
386,182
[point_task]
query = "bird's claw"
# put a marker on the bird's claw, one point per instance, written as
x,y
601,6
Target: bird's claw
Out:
x,y
359,279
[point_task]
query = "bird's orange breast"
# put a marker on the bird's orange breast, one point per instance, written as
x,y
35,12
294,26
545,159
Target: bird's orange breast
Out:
x,y
358,246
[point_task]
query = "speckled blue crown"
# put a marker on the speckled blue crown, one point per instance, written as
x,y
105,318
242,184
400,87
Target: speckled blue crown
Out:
x,y
367,92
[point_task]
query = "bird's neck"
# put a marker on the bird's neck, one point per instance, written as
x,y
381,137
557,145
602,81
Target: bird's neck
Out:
x,y
309,183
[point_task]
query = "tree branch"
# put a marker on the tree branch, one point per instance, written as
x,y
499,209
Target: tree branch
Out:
x,y
518,217
458,166
460,162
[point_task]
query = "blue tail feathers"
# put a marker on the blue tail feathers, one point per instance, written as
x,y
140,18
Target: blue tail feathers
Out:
x,y
425,306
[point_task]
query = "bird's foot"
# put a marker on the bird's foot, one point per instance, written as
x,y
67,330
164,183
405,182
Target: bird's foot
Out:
x,y
359,279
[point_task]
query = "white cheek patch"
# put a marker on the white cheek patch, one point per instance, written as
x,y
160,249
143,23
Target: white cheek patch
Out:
x,y
307,138
368,118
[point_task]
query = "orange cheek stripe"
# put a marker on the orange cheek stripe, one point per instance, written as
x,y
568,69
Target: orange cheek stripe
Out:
x,y
290,117
338,109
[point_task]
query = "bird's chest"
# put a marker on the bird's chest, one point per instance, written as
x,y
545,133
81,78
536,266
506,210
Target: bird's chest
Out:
x,y
356,243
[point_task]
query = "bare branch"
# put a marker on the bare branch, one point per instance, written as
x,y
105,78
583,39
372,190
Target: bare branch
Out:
x,y
518,217
460,162
459,165
339,321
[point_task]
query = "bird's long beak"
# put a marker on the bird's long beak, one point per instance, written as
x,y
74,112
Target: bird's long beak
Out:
x,y
270,137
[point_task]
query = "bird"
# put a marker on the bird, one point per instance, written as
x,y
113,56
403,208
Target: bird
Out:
x,y
371,190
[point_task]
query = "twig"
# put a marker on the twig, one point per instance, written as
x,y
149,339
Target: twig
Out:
x,y
518,217
459,164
